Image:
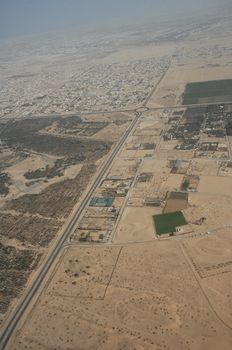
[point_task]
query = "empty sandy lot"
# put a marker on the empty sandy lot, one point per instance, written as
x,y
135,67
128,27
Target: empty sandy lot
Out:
x,y
136,224
173,182
215,185
214,208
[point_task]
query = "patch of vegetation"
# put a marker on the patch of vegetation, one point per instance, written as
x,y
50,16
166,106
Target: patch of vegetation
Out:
x,y
12,283
85,149
15,266
4,182
185,185
48,172
207,89
229,126
70,122
24,135
167,223
32,230
10,257
57,170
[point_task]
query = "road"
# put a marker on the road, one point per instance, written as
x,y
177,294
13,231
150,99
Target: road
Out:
x,y
189,106
20,309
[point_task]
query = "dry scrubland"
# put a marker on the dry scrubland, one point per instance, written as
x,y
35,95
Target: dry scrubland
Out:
x,y
46,165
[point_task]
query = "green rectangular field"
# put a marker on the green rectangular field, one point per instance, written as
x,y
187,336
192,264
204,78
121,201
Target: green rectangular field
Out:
x,y
217,91
167,223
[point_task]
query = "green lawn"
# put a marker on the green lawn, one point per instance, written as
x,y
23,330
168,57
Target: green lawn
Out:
x,y
207,89
167,223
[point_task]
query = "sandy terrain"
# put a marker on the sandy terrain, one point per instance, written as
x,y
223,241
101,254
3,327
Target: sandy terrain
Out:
x,y
203,167
192,70
149,165
73,278
147,51
214,208
114,130
211,257
124,168
32,163
175,205
136,224
128,154
173,182
146,304
215,185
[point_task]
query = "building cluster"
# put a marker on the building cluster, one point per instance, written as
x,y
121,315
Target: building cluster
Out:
x,y
101,216
111,86
202,130
103,87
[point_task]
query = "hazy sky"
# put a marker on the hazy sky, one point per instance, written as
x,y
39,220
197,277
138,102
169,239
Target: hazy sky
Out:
x,y
18,17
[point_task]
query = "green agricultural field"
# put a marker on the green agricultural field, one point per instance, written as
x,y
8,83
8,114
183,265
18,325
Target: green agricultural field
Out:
x,y
208,92
167,223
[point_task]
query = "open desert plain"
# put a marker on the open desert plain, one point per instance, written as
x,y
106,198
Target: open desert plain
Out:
x,y
116,189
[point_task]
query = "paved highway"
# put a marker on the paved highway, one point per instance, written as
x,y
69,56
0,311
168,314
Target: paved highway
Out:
x,y
14,320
